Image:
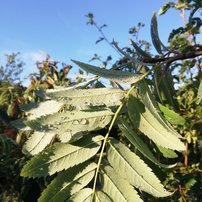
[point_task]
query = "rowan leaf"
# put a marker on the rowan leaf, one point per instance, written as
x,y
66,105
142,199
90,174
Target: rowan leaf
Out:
x,y
69,182
116,187
139,143
112,75
62,156
133,169
171,115
37,142
83,98
68,124
146,121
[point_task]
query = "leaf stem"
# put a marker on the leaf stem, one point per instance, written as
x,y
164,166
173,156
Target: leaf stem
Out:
x,y
110,127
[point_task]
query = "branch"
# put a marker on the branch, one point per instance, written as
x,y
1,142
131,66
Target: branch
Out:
x,y
180,56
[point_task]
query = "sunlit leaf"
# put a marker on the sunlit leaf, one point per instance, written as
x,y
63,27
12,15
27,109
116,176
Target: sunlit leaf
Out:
x,y
116,187
37,142
88,97
146,121
199,94
62,156
139,143
133,169
67,124
69,182
172,116
37,109
84,195
167,153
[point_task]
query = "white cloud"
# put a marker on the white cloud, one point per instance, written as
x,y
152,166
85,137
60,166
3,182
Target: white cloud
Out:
x,y
34,56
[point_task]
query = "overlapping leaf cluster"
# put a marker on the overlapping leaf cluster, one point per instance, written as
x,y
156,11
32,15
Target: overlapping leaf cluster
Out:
x,y
90,166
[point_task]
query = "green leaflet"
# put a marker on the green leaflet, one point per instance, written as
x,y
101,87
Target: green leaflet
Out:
x,y
199,94
102,197
171,115
37,109
84,195
116,187
67,124
133,169
167,153
83,98
152,106
138,143
165,7
164,87
69,182
112,75
143,119
62,156
37,142
140,52
6,144
154,34
133,59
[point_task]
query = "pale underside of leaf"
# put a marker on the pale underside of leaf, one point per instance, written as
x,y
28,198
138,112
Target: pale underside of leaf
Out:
x,y
147,123
112,75
152,106
62,156
87,195
134,170
89,97
68,183
69,123
116,187
84,195
139,143
37,109
37,142
102,197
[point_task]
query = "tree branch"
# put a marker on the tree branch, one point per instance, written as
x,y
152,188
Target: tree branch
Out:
x,y
181,56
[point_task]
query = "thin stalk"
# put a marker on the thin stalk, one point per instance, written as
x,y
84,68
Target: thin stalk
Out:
x,y
105,38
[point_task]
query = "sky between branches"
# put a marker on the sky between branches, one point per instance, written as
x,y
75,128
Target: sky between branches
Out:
x,y
36,27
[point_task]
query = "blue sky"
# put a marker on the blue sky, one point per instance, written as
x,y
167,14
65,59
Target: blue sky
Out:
x,y
58,27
